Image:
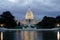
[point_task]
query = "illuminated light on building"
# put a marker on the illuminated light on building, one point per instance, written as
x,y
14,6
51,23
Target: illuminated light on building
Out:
x,y
29,14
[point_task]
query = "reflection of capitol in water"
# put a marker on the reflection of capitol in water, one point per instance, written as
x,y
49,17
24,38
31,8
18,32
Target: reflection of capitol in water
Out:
x,y
27,35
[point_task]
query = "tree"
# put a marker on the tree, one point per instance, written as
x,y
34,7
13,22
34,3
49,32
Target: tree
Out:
x,y
58,19
8,19
48,22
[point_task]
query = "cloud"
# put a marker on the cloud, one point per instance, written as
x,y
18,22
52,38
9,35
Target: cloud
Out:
x,y
46,5
39,7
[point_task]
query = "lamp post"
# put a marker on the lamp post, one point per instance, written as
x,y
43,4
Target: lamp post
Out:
x,y
1,32
58,32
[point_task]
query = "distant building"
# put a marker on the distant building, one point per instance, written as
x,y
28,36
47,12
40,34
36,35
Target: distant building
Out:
x,y
29,16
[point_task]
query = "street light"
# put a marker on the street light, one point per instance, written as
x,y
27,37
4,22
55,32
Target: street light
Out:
x,y
58,32
58,25
2,32
2,25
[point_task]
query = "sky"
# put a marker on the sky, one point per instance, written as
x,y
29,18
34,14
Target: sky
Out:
x,y
40,8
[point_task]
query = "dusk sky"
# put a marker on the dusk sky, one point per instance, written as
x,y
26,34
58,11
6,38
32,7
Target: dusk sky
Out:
x,y
40,8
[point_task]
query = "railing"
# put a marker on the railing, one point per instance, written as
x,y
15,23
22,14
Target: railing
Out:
x,y
30,34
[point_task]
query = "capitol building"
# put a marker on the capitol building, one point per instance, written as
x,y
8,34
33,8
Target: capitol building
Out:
x,y
29,17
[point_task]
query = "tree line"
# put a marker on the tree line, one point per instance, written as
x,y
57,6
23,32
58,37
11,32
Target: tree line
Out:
x,y
49,22
8,20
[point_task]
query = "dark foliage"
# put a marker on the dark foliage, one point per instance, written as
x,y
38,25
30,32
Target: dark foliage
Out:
x,y
8,19
58,19
49,22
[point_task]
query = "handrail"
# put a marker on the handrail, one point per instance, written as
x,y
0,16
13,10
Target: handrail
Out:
x,y
6,29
